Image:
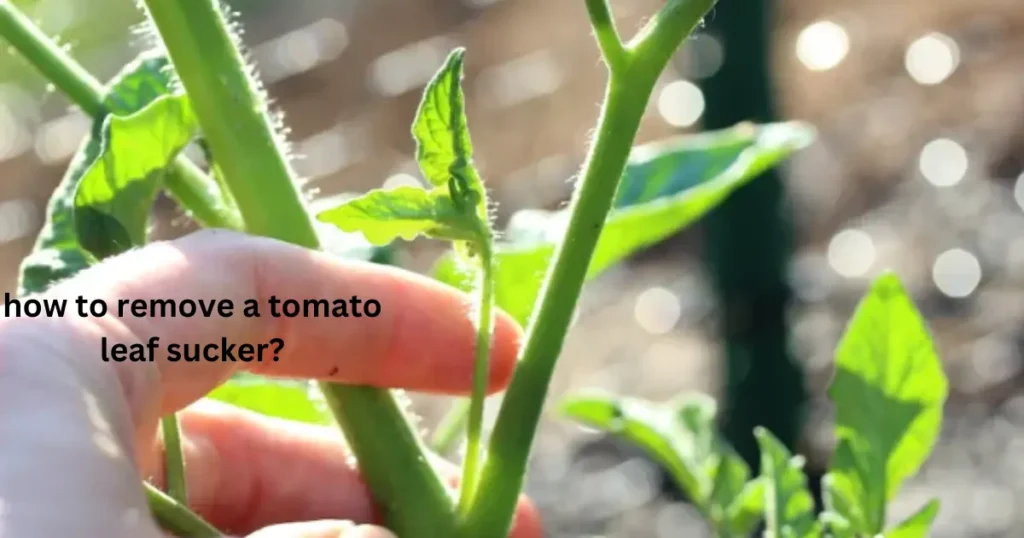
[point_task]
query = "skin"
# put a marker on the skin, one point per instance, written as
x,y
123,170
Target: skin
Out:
x,y
78,434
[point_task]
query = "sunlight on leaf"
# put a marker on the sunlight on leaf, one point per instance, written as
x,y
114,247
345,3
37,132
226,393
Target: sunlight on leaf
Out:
x,y
57,253
889,389
789,506
115,195
404,212
443,146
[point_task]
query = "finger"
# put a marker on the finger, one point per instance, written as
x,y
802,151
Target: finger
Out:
x,y
322,529
423,338
247,471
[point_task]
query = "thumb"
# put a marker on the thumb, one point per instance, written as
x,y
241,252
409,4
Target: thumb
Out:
x,y
327,528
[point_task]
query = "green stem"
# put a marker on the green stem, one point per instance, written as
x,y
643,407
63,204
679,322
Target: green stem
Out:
x,y
233,118
414,502
451,427
200,196
628,92
51,60
485,326
175,517
174,459
607,36
186,182
240,134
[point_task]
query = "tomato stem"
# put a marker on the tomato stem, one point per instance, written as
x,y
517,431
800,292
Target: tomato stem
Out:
x,y
631,82
485,326
240,132
174,459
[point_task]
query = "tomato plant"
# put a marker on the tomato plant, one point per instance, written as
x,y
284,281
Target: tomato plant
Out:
x,y
196,86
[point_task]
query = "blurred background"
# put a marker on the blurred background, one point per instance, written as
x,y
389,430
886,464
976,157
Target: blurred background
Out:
x,y
920,110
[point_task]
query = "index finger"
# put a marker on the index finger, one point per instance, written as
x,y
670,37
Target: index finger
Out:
x,y
422,339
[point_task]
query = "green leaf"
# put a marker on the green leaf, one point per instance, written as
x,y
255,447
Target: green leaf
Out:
x,y
57,254
456,208
917,525
116,193
140,83
747,509
654,203
682,436
403,212
441,131
789,506
680,163
287,399
889,390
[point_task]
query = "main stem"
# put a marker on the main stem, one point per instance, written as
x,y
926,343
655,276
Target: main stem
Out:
x,y
485,326
240,133
513,436
629,89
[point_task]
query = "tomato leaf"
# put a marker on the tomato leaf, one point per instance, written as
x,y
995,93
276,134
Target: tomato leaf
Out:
x,y
281,398
889,389
689,178
403,212
682,436
456,207
680,163
57,253
789,506
747,510
443,147
116,193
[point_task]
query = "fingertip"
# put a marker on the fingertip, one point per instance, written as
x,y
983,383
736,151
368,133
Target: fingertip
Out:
x,y
322,529
508,337
527,521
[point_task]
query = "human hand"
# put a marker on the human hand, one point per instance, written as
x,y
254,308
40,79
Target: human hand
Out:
x,y
77,434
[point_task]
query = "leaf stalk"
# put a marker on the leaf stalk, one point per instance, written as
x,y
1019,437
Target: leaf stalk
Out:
x,y
175,517
485,327
606,34
174,459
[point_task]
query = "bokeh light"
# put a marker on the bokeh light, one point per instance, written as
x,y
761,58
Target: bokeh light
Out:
x,y
657,310
943,162
932,58
851,253
18,219
822,45
14,138
409,67
706,54
57,140
956,273
534,75
681,103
